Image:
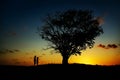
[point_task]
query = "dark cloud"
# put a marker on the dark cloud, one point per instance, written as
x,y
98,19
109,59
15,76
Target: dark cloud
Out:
x,y
16,50
101,45
10,51
6,51
112,46
108,46
12,34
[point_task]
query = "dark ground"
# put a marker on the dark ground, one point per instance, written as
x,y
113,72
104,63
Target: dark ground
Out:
x,y
59,71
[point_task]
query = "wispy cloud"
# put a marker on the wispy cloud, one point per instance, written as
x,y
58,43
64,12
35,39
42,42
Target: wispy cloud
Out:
x,y
108,46
6,51
100,20
12,33
16,50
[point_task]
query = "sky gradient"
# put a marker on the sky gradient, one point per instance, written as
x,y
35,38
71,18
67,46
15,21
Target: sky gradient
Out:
x,y
19,41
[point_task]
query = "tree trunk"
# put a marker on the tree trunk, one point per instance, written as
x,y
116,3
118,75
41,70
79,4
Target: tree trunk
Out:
x,y
65,60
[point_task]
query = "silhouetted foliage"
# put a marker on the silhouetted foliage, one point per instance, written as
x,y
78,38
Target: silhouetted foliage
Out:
x,y
70,31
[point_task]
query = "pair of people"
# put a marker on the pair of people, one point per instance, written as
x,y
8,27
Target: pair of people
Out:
x,y
36,60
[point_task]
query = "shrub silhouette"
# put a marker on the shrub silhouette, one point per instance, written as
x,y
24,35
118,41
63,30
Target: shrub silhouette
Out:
x,y
70,31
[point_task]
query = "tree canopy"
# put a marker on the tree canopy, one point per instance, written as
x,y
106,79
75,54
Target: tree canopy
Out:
x,y
70,31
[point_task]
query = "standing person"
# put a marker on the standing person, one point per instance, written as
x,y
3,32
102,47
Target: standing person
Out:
x,y
35,60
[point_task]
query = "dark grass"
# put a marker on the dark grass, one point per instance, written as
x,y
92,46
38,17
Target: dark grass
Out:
x,y
60,72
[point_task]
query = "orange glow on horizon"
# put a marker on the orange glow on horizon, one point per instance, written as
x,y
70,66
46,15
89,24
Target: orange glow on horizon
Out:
x,y
94,56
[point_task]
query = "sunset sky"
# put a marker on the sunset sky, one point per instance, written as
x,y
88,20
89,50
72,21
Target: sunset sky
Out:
x,y
19,41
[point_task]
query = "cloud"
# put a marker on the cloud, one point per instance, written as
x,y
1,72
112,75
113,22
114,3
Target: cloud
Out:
x,y
100,20
12,33
101,45
6,51
16,50
112,46
13,50
10,51
108,46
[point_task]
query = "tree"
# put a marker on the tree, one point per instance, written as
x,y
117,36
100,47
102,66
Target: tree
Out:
x,y
70,31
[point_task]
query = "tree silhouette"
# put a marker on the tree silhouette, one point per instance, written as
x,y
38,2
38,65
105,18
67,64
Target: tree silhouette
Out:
x,y
70,31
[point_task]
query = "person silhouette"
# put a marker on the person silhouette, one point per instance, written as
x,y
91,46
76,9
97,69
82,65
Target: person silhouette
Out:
x,y
35,60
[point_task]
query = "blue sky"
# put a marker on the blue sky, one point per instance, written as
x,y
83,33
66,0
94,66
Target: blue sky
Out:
x,y
19,18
